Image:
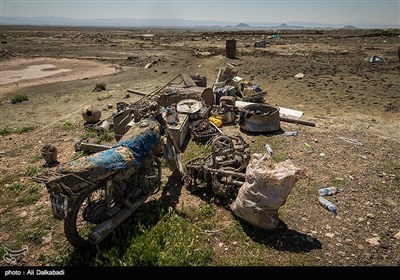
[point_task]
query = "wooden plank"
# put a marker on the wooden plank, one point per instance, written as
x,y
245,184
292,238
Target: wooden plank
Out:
x,y
188,80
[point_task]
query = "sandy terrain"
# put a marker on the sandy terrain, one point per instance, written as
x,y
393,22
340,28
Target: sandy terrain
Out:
x,y
344,94
27,72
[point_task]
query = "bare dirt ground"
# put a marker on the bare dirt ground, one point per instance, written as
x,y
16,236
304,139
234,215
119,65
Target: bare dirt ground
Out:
x,y
344,94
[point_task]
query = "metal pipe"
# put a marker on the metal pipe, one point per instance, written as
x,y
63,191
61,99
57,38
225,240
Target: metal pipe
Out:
x,y
104,229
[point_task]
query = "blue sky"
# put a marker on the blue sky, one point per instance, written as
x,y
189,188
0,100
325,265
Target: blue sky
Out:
x,y
322,11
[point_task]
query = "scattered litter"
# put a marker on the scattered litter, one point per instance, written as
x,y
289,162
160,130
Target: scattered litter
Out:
x,y
328,191
352,141
269,149
290,133
375,59
299,75
260,44
307,145
327,204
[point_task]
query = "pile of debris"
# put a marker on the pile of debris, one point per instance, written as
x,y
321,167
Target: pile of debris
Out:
x,y
187,107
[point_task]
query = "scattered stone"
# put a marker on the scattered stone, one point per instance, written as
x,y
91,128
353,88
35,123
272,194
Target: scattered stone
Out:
x,y
235,243
341,253
221,244
360,246
321,154
23,214
361,220
391,202
371,216
148,65
397,235
329,234
373,241
47,238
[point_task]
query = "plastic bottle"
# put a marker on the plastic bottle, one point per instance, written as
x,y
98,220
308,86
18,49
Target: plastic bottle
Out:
x,y
327,204
269,149
328,191
291,133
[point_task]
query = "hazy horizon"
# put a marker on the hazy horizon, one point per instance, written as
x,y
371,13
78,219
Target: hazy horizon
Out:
x,y
254,12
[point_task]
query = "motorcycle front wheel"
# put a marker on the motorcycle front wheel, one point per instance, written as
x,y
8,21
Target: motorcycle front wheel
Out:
x,y
87,212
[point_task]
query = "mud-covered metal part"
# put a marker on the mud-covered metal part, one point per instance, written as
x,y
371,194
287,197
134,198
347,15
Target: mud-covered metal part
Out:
x,y
260,118
226,112
203,130
222,171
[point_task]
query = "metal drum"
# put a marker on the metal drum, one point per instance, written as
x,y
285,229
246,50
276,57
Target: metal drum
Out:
x,y
260,118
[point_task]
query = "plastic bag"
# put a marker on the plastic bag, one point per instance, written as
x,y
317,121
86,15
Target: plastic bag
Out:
x,y
265,190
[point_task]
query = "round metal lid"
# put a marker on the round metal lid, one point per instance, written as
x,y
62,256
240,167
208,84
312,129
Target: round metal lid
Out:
x,y
188,106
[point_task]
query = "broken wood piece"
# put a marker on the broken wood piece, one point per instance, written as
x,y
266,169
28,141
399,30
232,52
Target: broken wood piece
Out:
x,y
93,148
296,121
136,92
188,80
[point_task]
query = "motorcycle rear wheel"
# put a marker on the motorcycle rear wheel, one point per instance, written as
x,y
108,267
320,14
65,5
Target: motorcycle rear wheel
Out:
x,y
86,214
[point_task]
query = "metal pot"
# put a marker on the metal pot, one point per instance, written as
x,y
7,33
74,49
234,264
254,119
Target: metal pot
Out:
x,y
260,118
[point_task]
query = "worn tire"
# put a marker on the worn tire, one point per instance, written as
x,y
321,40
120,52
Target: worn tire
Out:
x,y
70,226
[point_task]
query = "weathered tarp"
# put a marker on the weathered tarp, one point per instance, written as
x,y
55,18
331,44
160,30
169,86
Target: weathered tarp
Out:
x,y
129,152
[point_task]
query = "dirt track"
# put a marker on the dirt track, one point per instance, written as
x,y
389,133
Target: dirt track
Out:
x,y
344,94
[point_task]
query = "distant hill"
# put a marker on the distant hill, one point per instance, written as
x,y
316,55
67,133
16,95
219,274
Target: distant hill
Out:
x,y
285,26
242,25
349,27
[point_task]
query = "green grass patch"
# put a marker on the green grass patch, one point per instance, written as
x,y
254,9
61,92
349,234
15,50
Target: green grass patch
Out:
x,y
5,131
105,136
25,129
155,235
16,187
337,181
33,170
88,135
19,99
194,150
36,159
9,178
68,126
34,233
100,87
207,210
32,195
